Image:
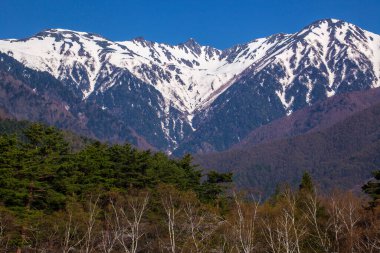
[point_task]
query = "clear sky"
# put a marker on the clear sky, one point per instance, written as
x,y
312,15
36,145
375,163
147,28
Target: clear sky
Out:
x,y
221,23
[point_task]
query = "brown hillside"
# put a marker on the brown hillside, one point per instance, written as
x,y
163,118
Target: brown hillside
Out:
x,y
342,155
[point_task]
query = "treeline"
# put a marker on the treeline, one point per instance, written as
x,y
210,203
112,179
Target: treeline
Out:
x,y
114,198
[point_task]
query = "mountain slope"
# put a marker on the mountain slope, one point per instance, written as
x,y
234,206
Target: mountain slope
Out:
x,y
326,58
338,155
187,74
317,117
27,94
194,98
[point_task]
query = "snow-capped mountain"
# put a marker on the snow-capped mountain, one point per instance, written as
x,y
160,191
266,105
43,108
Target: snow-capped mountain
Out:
x,y
334,48
325,58
188,75
199,97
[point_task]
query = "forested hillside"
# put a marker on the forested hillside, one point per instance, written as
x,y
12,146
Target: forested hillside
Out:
x,y
63,193
314,118
339,156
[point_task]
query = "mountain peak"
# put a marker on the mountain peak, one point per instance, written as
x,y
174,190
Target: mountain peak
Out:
x,y
191,42
59,34
192,45
50,31
330,22
333,28
139,39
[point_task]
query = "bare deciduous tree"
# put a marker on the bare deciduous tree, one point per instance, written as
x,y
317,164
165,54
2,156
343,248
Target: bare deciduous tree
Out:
x,y
245,223
201,224
319,232
4,239
129,226
344,216
70,241
111,233
89,238
285,232
369,243
171,214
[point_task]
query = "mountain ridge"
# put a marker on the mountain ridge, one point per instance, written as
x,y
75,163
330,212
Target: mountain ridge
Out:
x,y
189,88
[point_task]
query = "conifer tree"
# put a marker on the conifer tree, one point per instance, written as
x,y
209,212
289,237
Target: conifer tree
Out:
x,y
306,183
372,188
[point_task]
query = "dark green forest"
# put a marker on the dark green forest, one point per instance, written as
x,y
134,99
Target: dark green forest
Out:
x,y
63,193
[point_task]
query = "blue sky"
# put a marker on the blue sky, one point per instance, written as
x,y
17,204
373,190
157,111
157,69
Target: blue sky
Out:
x,y
221,23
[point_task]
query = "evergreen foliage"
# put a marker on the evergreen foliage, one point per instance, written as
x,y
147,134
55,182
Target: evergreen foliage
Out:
x,y
372,188
115,198
38,170
306,183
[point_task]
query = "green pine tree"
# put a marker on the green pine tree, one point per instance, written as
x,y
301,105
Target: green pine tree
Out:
x,y
307,184
372,188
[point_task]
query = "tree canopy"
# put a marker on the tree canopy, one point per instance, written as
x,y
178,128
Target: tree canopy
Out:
x,y
39,172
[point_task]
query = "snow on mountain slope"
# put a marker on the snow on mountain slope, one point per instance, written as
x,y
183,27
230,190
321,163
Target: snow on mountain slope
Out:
x,y
324,45
325,58
188,75
193,89
62,53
